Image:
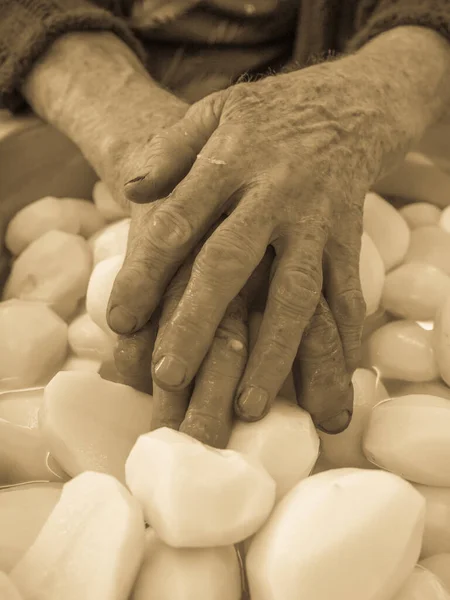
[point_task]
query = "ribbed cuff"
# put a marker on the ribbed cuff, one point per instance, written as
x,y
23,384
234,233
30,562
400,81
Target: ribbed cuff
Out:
x,y
389,14
29,27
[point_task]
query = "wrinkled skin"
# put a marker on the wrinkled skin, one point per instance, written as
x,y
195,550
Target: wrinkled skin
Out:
x,y
301,194
204,409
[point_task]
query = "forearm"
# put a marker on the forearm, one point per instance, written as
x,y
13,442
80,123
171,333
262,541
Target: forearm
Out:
x,y
408,70
93,88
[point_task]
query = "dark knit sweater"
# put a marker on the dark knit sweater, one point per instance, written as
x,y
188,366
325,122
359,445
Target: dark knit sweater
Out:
x,y
28,27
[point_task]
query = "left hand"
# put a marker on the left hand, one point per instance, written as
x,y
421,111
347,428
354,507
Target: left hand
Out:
x,y
289,159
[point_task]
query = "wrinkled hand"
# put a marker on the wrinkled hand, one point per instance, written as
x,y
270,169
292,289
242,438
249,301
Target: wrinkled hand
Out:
x,y
204,409
289,159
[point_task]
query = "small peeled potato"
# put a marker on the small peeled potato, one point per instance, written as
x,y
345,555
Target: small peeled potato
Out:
x,y
401,350
110,241
91,219
436,536
430,244
371,274
88,340
439,564
345,449
387,228
418,214
422,584
415,291
38,218
54,269
33,343
99,290
408,436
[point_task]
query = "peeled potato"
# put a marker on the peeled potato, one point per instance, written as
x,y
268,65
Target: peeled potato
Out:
x,y
415,291
408,435
418,214
285,442
99,290
33,343
76,363
87,340
54,269
24,454
371,274
441,339
194,495
387,229
429,388
92,424
38,218
430,244
22,406
23,511
110,241
8,590
105,203
402,350
439,564
90,547
436,537
187,573
346,533
422,585
91,219
345,449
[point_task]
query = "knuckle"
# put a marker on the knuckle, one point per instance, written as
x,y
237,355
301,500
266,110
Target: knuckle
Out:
x,y
350,308
321,336
297,291
225,254
169,230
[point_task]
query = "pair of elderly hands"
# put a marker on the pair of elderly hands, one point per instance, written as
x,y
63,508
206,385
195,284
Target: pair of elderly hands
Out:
x,y
252,201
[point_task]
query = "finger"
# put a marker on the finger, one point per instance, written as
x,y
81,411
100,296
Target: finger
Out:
x,y
143,278
169,407
322,381
287,390
342,290
210,413
162,237
133,357
173,151
293,296
220,271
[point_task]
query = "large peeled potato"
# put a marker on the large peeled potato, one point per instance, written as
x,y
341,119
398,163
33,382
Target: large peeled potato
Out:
x,y
347,533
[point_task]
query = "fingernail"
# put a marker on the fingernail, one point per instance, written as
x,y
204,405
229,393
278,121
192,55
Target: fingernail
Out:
x,y
135,180
121,321
252,402
170,371
336,424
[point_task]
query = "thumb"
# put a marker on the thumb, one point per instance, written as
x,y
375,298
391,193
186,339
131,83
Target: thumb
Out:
x,y
172,152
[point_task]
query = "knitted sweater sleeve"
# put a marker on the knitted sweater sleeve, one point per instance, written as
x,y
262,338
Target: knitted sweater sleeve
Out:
x,y
28,28
373,17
